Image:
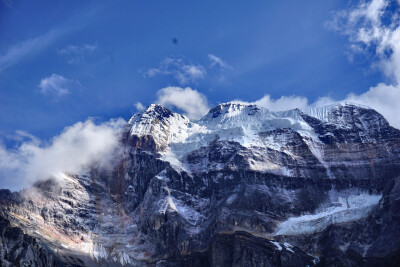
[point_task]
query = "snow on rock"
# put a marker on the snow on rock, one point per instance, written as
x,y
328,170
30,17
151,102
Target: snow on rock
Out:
x,y
277,245
172,204
288,247
253,127
122,258
99,252
346,209
160,123
231,198
325,113
229,121
169,156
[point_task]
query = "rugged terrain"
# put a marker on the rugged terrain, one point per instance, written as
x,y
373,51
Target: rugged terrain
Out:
x,y
243,186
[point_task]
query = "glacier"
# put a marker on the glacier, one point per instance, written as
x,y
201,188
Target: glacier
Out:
x,y
344,209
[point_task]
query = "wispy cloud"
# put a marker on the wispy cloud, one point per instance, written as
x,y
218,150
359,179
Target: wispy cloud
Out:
x,y
56,85
20,136
220,69
17,52
76,54
193,103
22,50
183,71
139,106
217,61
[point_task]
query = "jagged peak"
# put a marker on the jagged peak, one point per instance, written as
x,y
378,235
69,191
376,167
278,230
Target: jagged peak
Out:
x,y
230,109
234,106
342,104
161,123
153,111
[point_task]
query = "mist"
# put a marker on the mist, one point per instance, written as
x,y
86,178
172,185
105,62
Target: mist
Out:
x,y
75,148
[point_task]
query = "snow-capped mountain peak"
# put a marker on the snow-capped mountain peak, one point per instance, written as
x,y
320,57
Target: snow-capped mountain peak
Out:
x,y
257,128
160,123
232,113
151,113
324,113
349,116
241,175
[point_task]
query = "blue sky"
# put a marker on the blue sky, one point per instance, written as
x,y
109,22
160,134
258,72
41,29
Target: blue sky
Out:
x,y
65,61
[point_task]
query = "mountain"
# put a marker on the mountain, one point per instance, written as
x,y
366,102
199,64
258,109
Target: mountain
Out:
x,y
243,186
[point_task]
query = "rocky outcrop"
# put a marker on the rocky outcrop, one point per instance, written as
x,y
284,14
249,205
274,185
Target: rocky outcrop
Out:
x,y
19,249
243,249
368,242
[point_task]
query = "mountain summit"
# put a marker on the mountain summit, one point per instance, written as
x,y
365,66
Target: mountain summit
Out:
x,y
242,186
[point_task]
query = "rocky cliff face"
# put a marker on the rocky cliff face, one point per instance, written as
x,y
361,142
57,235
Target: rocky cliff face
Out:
x,y
243,186
19,249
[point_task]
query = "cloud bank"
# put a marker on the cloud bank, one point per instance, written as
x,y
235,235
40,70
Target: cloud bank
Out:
x,y
77,147
193,103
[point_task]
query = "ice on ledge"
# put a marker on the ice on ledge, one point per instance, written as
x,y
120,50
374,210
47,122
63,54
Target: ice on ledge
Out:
x,y
346,209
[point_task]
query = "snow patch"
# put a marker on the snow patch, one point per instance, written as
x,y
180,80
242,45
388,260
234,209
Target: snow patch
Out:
x,y
231,198
172,158
99,252
288,247
122,258
172,204
353,207
323,113
277,245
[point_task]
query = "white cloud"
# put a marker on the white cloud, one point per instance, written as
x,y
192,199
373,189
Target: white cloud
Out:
x,y
372,26
194,71
77,147
193,103
282,103
289,102
384,99
76,54
56,85
139,106
184,72
216,61
28,47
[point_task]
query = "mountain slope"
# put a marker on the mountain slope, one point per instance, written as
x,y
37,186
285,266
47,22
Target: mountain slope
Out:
x,y
241,186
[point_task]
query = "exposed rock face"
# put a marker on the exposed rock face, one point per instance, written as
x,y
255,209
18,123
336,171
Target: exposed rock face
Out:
x,y
244,249
19,249
243,186
368,242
